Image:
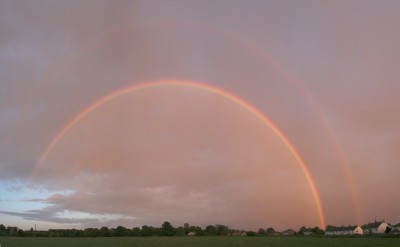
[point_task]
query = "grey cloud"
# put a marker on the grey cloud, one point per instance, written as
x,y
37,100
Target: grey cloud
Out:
x,y
34,200
50,215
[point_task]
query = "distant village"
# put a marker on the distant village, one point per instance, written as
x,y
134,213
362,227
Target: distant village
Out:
x,y
376,228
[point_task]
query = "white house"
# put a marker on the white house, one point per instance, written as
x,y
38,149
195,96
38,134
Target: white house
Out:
x,y
395,229
307,233
343,230
239,233
333,230
351,230
376,227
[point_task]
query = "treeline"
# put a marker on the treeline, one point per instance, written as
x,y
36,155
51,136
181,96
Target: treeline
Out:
x,y
166,229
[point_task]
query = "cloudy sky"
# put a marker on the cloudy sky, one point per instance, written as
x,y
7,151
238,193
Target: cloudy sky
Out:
x,y
324,72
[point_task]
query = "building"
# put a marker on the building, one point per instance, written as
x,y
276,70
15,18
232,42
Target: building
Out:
x,y
239,233
307,233
395,229
333,230
377,227
289,232
343,230
351,230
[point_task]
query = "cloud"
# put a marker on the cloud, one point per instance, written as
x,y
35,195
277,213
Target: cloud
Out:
x,y
51,214
35,200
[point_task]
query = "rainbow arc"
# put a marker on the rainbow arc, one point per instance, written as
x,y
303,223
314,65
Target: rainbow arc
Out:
x,y
198,86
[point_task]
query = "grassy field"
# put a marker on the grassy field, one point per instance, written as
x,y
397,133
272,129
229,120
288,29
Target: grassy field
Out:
x,y
197,242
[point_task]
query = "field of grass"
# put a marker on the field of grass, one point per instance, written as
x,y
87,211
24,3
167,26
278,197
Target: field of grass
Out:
x,y
198,242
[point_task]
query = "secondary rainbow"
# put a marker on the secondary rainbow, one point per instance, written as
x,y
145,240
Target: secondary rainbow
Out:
x,y
198,86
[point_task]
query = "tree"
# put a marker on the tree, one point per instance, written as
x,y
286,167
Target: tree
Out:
x,y
186,227
222,230
302,230
211,230
104,232
156,231
2,230
135,232
197,230
270,231
121,231
20,233
261,231
317,231
180,231
88,232
145,231
167,229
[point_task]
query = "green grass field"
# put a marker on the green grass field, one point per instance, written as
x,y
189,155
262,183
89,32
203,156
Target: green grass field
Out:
x,y
197,242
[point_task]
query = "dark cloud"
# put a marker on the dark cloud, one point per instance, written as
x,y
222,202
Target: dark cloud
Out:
x,y
50,215
34,200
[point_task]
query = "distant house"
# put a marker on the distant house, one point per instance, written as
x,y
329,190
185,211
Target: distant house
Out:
x,y
343,230
376,227
12,230
351,230
395,229
191,234
307,233
239,233
289,232
333,230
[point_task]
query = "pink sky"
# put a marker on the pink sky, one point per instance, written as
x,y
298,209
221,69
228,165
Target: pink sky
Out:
x,y
324,72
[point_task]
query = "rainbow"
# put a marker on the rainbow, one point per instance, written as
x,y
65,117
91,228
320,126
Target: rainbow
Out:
x,y
198,86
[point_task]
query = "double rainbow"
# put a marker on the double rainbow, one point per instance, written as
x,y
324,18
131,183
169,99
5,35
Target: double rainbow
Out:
x,y
198,86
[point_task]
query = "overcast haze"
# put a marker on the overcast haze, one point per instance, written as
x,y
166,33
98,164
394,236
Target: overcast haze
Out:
x,y
324,72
